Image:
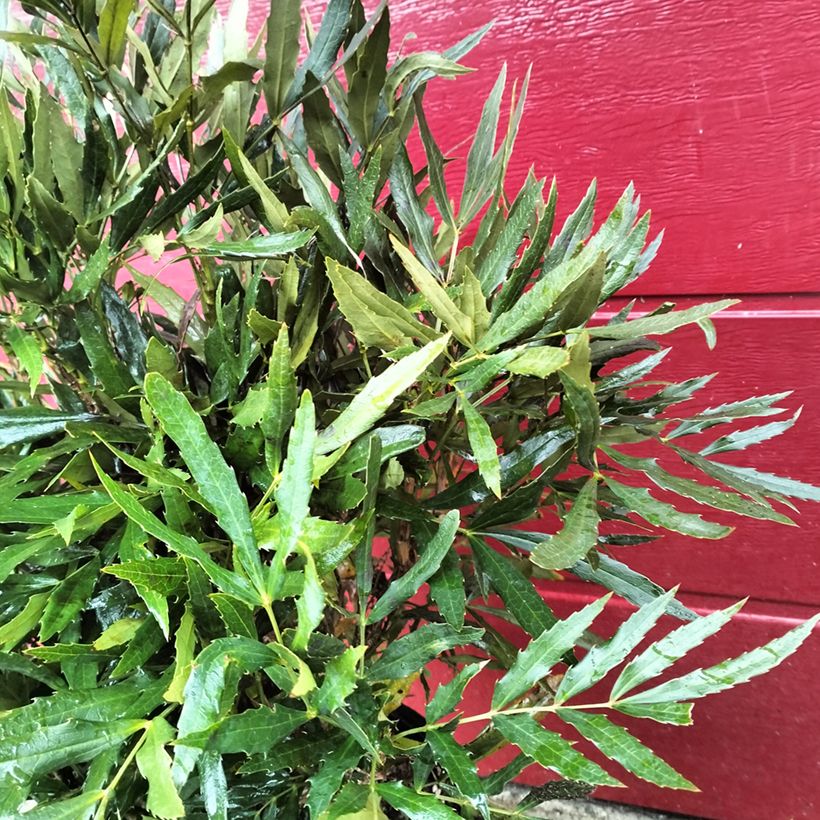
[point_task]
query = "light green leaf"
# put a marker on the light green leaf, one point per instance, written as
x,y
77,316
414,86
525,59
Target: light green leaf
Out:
x,y
112,30
310,605
295,487
617,744
275,212
551,750
184,645
663,653
69,809
217,482
373,401
542,653
676,714
25,347
440,302
661,514
483,445
376,319
408,584
577,537
539,361
24,623
154,764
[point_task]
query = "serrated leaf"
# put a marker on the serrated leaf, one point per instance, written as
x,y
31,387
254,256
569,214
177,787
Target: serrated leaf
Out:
x,y
518,593
741,439
284,25
750,481
154,764
412,652
658,325
495,265
70,598
448,695
216,480
628,584
663,653
460,767
753,407
25,347
267,246
252,731
483,446
375,398
542,653
182,544
340,680
618,745
729,673
430,560
235,614
661,514
433,291
447,589
415,805
601,659
275,212
696,491
418,222
539,361
295,488
327,780
550,750
578,535
376,319
44,750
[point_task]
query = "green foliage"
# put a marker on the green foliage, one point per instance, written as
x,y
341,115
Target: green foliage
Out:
x,y
237,529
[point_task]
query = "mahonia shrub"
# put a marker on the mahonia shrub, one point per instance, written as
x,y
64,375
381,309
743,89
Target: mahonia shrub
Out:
x,y
238,522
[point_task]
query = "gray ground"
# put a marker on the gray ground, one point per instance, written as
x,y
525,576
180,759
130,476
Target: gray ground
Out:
x,y
585,809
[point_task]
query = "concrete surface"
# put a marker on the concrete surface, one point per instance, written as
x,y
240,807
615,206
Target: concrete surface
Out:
x,y
583,809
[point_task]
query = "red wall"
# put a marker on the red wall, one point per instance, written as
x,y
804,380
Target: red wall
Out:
x,y
712,108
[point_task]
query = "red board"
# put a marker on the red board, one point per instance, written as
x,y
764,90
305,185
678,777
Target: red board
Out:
x,y
711,107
